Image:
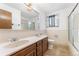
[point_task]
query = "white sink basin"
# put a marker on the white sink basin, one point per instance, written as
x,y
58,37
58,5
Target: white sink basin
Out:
x,y
16,44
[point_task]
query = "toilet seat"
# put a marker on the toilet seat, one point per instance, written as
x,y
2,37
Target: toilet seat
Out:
x,y
51,40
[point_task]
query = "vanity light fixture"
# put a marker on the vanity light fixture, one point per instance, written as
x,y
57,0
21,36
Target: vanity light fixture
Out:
x,y
29,6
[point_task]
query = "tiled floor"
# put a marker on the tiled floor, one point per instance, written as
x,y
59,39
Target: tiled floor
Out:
x,y
59,50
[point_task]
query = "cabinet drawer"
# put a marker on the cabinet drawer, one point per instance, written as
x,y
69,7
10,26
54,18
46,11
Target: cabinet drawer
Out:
x,y
39,43
25,51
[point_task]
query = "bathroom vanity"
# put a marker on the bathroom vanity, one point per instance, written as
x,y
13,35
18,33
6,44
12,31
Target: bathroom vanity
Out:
x,y
36,49
29,46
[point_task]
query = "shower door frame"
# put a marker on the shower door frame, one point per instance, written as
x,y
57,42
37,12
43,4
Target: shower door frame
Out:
x,y
71,28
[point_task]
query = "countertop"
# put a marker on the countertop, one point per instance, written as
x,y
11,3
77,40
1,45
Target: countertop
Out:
x,y
4,51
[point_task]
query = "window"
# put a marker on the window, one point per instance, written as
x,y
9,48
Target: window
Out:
x,y
53,21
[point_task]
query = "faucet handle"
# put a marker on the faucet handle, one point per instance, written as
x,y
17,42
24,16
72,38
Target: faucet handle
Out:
x,y
36,34
12,40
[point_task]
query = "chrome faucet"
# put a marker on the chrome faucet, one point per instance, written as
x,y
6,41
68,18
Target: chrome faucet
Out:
x,y
12,40
38,34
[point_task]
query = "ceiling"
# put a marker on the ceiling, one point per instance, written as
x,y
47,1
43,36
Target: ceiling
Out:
x,y
43,7
52,7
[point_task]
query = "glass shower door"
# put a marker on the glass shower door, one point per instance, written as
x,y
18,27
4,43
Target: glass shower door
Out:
x,y
73,29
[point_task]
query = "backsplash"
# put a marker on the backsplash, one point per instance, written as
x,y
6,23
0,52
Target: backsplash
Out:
x,y
9,34
59,36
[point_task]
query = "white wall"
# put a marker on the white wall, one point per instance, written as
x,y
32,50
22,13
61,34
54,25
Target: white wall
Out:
x,y
42,21
60,34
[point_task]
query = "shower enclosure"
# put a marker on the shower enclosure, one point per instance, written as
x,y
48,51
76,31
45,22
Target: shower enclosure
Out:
x,y
73,27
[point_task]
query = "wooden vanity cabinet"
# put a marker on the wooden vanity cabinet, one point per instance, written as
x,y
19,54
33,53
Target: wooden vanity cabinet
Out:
x,y
36,49
28,51
31,53
45,44
39,48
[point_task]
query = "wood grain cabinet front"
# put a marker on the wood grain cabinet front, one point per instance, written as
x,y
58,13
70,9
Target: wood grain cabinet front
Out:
x,y
45,44
36,49
39,48
28,51
32,53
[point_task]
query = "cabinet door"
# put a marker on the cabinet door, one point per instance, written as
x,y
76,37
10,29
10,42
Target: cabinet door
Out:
x,y
32,53
45,45
39,48
28,51
39,51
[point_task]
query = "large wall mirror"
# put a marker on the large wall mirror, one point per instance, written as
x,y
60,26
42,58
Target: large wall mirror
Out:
x,y
15,16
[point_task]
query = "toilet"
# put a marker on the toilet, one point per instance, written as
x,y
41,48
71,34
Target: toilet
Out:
x,y
50,43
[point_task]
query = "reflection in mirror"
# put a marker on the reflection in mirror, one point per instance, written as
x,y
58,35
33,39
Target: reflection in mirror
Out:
x,y
29,25
19,18
5,19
